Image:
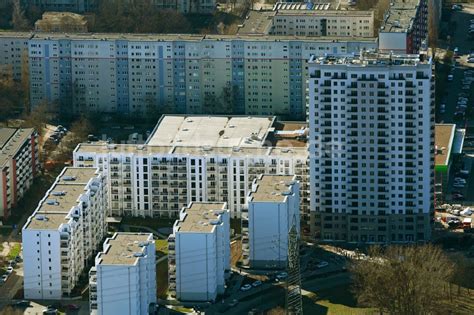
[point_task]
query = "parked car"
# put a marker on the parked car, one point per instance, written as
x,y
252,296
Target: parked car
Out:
x,y
458,185
22,303
4,278
234,302
460,180
245,287
73,307
282,275
450,77
257,283
9,270
322,264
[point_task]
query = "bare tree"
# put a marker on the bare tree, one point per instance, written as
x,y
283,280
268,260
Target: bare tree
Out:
x,y
433,23
403,279
19,21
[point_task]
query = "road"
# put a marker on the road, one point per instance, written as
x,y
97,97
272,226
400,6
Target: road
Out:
x,y
454,88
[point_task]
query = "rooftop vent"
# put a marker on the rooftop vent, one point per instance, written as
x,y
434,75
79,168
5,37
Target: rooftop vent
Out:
x,y
41,217
69,178
138,254
52,202
58,193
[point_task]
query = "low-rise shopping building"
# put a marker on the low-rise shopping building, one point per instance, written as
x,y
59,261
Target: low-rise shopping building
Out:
x,y
448,144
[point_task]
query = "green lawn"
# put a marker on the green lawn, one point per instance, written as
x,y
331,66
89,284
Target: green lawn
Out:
x,y
162,279
15,251
161,247
337,300
149,222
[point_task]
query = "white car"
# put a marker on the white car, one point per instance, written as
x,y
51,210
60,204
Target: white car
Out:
x,y
4,278
245,287
450,77
322,264
257,283
470,60
458,185
282,275
460,180
9,270
465,172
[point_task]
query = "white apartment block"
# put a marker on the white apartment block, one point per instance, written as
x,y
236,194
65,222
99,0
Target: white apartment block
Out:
x,y
63,233
309,23
19,163
199,252
123,280
273,208
371,122
146,74
336,23
198,159
14,54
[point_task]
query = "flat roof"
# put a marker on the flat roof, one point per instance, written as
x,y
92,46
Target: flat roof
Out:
x,y
122,247
200,216
76,175
61,197
296,152
257,22
177,37
373,59
213,131
326,13
400,15
11,140
5,135
46,222
322,5
272,188
444,135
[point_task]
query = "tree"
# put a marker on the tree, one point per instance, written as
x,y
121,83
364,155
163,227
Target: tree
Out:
x,y
433,20
403,279
19,21
11,94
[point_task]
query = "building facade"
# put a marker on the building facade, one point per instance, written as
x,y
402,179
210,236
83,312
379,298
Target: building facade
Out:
x,y
150,74
273,208
199,252
405,27
78,6
324,23
123,280
198,159
19,163
81,6
371,147
63,232
14,54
